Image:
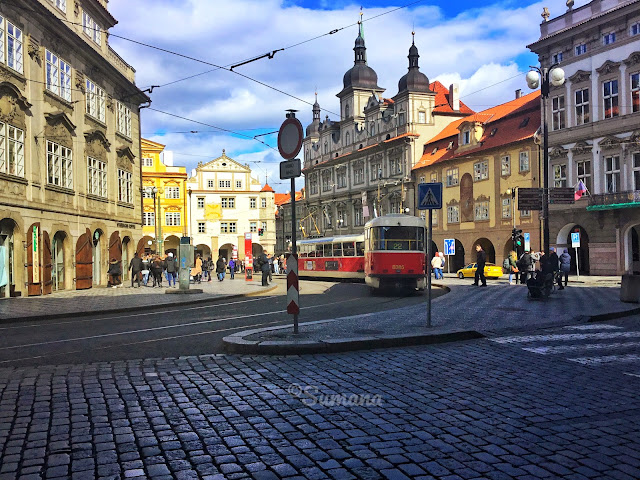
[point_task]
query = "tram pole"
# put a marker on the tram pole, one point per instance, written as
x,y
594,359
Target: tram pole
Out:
x,y
429,253
294,248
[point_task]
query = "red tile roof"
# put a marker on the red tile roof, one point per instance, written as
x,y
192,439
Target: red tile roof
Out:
x,y
506,119
267,188
442,100
282,198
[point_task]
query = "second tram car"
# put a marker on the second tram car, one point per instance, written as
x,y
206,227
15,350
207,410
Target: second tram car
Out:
x,y
394,249
340,257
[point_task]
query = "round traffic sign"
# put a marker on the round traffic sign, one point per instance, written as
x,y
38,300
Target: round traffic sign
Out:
x,y
290,138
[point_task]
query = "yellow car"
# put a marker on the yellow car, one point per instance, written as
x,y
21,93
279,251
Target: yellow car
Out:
x,y
490,271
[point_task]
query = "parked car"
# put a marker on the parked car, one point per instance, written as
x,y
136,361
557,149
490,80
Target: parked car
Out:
x,y
490,271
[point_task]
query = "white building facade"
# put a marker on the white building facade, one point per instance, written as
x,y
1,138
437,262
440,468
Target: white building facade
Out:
x,y
246,207
594,131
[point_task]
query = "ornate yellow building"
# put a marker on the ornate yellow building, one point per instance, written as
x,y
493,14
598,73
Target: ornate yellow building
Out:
x,y
164,200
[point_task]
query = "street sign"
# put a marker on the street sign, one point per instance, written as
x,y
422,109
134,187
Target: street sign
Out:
x,y
290,137
293,289
575,239
527,242
562,195
449,246
529,199
430,196
290,169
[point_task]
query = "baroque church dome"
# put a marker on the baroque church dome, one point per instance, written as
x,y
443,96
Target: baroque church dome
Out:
x,y
414,80
360,75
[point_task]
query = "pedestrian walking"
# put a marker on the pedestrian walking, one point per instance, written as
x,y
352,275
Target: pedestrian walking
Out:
x,y
435,265
526,266
262,263
481,260
145,270
554,266
220,268
157,266
276,265
136,267
114,273
206,270
565,267
232,268
196,271
512,267
172,269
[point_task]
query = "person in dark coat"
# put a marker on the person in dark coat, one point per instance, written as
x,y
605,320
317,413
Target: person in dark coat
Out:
x,y
220,268
565,268
156,269
114,273
172,269
554,265
265,268
480,261
136,267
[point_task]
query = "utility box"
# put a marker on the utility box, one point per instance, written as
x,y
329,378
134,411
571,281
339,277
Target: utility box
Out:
x,y
186,257
630,289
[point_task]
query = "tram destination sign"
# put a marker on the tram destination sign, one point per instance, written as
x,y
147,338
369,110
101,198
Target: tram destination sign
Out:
x,y
562,195
529,199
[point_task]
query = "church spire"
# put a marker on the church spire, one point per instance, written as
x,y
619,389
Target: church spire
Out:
x,y
413,53
359,49
316,109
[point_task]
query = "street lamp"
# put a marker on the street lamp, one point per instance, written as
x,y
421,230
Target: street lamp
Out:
x,y
549,76
190,218
512,192
152,191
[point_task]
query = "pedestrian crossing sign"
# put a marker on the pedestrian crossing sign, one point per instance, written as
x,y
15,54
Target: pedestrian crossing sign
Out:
x,y
430,196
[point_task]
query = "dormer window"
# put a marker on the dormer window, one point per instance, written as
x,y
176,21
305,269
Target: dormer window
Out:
x,y
372,129
608,38
346,110
466,137
422,117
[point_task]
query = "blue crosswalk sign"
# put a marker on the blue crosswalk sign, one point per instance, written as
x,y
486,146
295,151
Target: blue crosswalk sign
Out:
x,y
429,196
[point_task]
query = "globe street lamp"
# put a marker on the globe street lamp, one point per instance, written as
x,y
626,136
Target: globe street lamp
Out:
x,y
548,76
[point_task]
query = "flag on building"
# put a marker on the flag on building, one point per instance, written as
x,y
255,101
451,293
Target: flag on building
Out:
x,y
213,212
582,188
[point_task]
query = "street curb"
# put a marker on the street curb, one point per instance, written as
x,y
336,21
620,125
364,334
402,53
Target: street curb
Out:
x,y
236,344
149,308
603,317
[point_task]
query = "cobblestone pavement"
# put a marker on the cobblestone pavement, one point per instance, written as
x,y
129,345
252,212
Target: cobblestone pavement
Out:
x,y
480,409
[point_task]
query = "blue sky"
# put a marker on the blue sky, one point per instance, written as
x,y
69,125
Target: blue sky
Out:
x,y
482,49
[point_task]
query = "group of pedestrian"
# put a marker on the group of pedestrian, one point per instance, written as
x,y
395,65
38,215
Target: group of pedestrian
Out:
x,y
525,267
437,265
153,267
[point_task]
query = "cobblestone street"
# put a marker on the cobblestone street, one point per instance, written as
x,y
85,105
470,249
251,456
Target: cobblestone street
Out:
x,y
480,409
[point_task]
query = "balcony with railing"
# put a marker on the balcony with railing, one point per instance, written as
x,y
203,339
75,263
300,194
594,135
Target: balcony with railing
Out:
x,y
611,201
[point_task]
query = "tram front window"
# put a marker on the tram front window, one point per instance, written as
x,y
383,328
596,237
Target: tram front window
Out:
x,y
397,238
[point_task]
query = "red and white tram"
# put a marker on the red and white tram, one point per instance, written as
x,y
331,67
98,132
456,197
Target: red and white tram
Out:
x,y
390,253
394,247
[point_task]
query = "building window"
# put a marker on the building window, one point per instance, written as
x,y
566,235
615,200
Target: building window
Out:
x,y
224,227
524,161
401,121
506,208
452,177
12,35
95,101
525,213
466,137
90,28
172,192
58,74
125,186
453,214
59,165
376,171
96,177
581,49
253,203
238,184
202,227
582,106
556,57
11,150
636,171
172,219
434,177
313,184
326,147
358,217
481,170
612,173
61,4
347,139
423,214
422,117
560,175
327,218
224,183
342,177
635,29
233,227
635,92
372,129
434,217
228,202
263,202
346,110
610,97
609,38
253,227
584,173
358,174
147,162
396,166
505,165
326,181
264,226
124,120
481,211
210,183
149,218
200,202
557,113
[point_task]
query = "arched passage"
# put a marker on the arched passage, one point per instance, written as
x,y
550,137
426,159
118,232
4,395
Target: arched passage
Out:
x,y
256,249
146,245
204,251
564,241
456,262
59,247
488,248
171,245
7,257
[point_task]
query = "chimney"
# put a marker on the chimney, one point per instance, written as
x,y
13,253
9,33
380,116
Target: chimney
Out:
x,y
454,97
167,158
518,93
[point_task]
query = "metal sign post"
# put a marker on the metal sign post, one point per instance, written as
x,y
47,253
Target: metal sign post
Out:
x,y
290,138
575,243
429,198
449,249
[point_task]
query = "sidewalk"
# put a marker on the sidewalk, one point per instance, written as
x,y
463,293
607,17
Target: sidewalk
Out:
x,y
99,300
466,312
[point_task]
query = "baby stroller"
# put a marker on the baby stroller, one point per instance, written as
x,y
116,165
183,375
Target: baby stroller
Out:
x,y
540,286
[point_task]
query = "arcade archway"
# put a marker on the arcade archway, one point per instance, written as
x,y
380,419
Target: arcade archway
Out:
x,y
7,258
488,248
564,241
